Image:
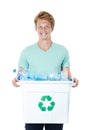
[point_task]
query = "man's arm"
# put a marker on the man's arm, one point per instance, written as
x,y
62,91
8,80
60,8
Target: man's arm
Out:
x,y
76,81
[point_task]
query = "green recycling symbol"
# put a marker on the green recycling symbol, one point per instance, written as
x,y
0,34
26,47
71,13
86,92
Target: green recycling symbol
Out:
x,y
50,104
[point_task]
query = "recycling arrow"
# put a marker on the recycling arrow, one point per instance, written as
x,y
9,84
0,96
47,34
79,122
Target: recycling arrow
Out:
x,y
50,105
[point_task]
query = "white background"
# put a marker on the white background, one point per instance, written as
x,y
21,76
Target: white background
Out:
x,y
17,31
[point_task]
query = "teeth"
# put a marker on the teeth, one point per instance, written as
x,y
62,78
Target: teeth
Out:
x,y
43,34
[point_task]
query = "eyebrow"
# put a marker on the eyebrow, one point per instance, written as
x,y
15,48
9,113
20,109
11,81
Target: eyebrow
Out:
x,y
43,24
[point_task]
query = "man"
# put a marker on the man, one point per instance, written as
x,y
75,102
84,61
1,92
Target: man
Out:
x,y
44,57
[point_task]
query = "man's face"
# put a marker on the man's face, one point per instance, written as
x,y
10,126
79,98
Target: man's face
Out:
x,y
44,29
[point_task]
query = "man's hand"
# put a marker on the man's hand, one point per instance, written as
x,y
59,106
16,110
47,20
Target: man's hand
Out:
x,y
76,82
15,82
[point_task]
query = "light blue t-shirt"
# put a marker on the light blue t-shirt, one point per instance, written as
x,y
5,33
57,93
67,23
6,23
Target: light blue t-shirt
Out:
x,y
44,62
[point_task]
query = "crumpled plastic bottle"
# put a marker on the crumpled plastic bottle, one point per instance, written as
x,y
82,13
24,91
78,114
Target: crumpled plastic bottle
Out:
x,y
24,74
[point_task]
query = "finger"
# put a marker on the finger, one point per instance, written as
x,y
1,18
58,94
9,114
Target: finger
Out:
x,y
15,82
76,82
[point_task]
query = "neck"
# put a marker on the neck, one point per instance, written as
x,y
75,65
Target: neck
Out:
x,y
45,44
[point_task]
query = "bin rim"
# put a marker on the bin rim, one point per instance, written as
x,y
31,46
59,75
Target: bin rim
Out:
x,y
45,82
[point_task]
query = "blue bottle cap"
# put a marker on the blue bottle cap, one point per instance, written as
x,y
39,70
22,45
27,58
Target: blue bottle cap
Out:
x,y
14,70
19,77
70,79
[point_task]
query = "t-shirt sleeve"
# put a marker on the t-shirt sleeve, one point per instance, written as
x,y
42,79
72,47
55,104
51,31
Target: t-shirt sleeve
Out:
x,y
23,60
66,60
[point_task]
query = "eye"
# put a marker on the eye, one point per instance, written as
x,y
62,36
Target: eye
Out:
x,y
39,27
47,27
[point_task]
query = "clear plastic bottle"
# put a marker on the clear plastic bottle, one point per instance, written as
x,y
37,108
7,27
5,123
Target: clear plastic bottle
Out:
x,y
64,75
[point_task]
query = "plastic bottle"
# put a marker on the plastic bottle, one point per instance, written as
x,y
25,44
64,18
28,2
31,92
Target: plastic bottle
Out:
x,y
18,73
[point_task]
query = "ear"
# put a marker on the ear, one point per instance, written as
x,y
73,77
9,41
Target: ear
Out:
x,y
51,29
35,27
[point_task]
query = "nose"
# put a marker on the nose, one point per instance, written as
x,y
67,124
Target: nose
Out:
x,y
43,29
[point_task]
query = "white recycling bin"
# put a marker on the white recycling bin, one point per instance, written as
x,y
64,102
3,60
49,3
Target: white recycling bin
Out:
x,y
46,101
